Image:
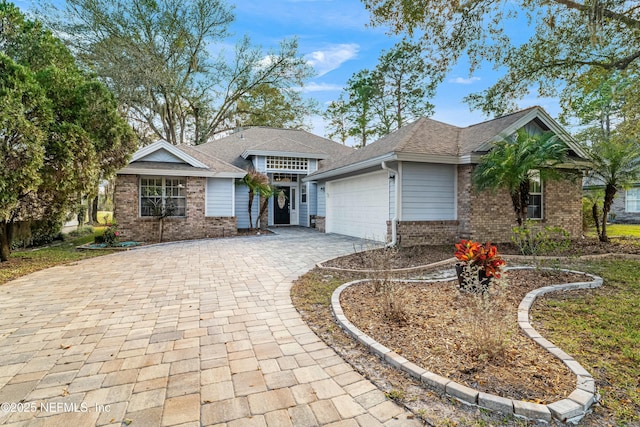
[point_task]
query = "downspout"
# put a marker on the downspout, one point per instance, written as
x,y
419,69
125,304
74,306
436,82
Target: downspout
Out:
x,y
394,220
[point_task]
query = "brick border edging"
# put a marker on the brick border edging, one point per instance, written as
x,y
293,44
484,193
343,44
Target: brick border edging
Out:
x,y
573,408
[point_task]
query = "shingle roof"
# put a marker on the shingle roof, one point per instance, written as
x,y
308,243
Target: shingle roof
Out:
x,y
428,137
286,145
474,136
230,148
212,162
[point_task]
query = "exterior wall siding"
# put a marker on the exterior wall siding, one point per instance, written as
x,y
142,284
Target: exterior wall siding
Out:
x,y
619,211
220,196
313,198
428,192
161,156
303,209
242,206
322,201
194,226
260,163
392,198
312,166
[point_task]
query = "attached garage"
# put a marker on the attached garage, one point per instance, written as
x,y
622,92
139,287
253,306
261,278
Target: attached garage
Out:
x,y
359,206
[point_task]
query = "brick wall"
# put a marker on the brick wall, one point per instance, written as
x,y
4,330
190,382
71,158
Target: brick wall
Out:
x,y
490,215
464,201
320,224
194,226
413,233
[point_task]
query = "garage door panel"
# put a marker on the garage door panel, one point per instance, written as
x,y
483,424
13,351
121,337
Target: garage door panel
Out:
x,y
359,206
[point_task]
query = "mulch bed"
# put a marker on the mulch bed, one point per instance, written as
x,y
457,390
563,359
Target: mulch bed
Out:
x,y
421,255
456,335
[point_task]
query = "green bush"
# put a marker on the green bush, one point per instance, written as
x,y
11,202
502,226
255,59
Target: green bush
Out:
x,y
533,239
37,233
111,235
84,231
587,214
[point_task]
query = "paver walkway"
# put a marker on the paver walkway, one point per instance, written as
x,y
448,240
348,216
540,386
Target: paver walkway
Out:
x,y
182,334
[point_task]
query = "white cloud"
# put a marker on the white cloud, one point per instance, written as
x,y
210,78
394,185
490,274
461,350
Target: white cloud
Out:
x,y
332,57
321,87
463,81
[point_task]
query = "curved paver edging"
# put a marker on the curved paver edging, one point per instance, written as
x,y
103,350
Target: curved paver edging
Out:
x,y
393,270
573,408
451,260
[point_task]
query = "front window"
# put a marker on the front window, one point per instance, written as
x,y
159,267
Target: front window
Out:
x,y
163,196
534,209
287,163
633,200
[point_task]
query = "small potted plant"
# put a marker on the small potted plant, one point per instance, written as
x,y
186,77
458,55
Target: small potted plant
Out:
x,y
477,265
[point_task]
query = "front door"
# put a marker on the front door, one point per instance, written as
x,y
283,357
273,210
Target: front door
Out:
x,y
281,210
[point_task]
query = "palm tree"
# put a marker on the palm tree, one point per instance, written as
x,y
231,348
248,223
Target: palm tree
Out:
x,y
510,163
615,164
258,183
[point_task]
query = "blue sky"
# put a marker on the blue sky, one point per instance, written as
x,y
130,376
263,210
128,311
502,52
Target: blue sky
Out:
x,y
334,36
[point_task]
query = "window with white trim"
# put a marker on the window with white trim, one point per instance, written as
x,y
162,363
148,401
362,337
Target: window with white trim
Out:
x,y
633,200
287,163
303,193
534,208
159,195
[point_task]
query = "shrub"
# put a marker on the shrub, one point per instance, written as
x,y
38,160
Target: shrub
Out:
x,y
37,233
532,239
83,231
490,331
111,234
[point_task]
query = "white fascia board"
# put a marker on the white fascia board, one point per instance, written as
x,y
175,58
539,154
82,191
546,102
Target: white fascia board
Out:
x,y
162,144
248,153
129,170
354,167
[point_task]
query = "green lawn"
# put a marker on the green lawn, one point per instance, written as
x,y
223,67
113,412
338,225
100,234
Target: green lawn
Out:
x,y
601,329
23,262
105,217
619,230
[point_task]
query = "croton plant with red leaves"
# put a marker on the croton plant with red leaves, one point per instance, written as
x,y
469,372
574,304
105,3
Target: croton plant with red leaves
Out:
x,y
485,257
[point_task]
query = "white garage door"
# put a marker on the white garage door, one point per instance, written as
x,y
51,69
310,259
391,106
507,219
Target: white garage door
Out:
x,y
359,206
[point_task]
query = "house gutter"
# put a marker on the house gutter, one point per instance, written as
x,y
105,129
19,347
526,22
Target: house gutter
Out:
x,y
394,220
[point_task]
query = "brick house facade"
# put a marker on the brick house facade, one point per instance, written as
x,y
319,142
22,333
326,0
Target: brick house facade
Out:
x,y
485,215
427,167
194,225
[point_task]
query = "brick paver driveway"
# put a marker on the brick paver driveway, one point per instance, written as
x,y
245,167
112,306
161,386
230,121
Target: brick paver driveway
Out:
x,y
191,333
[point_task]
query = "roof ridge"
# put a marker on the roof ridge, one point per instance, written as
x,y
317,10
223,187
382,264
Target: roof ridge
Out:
x,y
288,139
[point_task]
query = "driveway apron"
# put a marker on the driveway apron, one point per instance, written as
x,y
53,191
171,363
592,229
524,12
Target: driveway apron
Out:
x,y
180,334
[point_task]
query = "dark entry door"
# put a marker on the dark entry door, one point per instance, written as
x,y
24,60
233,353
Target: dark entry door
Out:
x,y
281,211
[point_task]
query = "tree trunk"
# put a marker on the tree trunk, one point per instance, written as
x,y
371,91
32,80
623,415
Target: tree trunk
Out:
x,y
6,231
263,208
524,200
609,194
596,217
251,195
160,230
515,200
94,210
